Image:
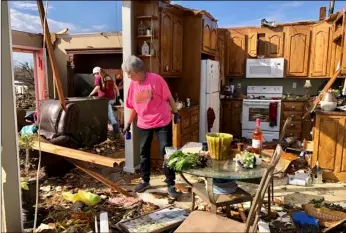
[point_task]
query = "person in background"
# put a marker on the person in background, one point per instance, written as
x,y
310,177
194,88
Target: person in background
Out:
x,y
104,87
150,99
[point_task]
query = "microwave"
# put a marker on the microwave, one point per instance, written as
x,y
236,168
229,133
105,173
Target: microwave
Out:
x,y
265,68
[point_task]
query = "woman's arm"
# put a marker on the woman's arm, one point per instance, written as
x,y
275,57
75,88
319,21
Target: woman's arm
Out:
x,y
116,90
132,116
172,104
97,88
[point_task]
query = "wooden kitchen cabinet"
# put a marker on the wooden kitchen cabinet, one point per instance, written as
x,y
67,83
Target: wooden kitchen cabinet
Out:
x,y
231,117
222,55
319,50
298,128
171,43
209,40
297,50
330,144
274,44
252,44
236,54
187,130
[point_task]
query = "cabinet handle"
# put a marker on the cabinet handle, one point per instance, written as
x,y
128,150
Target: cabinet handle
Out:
x,y
293,107
166,67
292,116
292,125
291,134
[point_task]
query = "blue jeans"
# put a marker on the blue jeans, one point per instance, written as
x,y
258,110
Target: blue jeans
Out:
x,y
111,116
164,135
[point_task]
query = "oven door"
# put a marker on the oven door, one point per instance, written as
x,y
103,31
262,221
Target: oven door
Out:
x,y
259,109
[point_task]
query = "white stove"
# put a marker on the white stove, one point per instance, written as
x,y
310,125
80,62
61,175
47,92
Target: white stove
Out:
x,y
257,105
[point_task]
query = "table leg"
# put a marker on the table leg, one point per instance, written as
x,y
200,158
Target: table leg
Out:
x,y
273,189
193,200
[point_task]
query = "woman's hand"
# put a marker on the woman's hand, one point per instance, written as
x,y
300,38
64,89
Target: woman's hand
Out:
x,y
127,128
177,118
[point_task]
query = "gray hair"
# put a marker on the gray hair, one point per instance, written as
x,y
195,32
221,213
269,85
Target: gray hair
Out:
x,y
133,64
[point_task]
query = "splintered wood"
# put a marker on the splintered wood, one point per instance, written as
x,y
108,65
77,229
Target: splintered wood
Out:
x,y
77,154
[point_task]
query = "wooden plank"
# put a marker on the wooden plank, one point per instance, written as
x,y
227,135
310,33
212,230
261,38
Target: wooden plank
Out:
x,y
76,154
101,178
50,50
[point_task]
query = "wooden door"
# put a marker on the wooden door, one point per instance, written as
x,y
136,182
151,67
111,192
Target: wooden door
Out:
x,y
330,144
297,50
252,44
343,62
236,54
177,39
274,44
221,53
213,37
166,42
206,43
319,50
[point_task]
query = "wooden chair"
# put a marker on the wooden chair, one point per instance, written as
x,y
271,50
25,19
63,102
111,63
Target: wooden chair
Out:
x,y
199,221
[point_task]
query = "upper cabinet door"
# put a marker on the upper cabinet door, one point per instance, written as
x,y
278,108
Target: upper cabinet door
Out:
x,y
319,50
166,42
236,54
297,49
206,43
177,37
213,37
274,44
252,44
221,53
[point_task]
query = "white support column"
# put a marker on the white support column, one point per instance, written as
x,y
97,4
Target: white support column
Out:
x,y
131,146
9,157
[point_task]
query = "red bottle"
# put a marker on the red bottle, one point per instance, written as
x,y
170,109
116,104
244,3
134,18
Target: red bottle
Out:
x,y
257,138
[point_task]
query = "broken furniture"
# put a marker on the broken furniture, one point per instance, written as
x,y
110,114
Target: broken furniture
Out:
x,y
84,122
161,220
229,170
199,221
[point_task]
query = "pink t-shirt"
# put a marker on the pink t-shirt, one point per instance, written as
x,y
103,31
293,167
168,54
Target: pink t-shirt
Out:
x,y
150,100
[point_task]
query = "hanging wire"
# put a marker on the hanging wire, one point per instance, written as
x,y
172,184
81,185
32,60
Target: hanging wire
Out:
x,y
39,129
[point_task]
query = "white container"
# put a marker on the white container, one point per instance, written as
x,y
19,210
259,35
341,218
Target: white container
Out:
x,y
300,179
145,49
328,106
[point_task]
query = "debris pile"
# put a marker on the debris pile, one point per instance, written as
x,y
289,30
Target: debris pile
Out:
x,y
70,204
26,101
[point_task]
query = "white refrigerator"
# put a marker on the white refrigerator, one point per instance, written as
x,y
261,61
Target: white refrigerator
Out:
x,y
209,96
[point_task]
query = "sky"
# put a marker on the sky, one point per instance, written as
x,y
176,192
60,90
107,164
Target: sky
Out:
x,y
105,16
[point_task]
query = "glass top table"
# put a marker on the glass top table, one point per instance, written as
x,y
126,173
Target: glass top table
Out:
x,y
227,169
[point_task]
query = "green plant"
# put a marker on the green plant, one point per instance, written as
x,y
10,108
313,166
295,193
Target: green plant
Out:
x,y
26,143
179,160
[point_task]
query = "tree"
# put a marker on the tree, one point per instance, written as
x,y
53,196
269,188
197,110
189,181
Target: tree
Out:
x,y
24,73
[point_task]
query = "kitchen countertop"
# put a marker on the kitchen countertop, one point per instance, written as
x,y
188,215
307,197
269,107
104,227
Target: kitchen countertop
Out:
x,y
331,113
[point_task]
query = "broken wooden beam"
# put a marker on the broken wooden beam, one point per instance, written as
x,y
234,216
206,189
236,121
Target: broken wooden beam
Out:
x,y
56,75
100,178
76,154
324,90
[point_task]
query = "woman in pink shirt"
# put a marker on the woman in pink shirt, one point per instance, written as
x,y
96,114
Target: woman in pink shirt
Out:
x,y
150,99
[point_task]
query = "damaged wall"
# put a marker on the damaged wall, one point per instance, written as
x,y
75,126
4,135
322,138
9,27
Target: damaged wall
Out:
x,y
26,39
82,41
